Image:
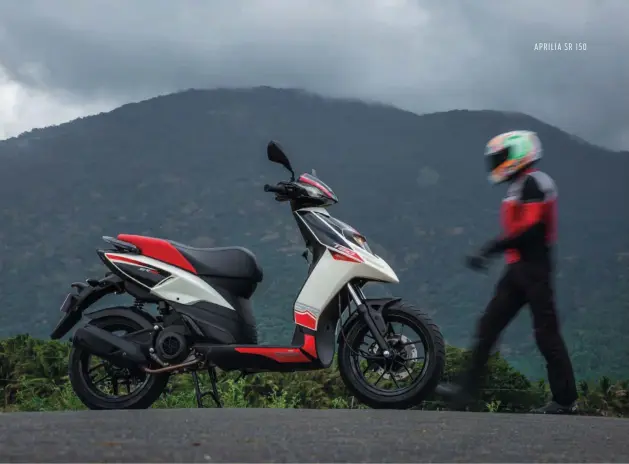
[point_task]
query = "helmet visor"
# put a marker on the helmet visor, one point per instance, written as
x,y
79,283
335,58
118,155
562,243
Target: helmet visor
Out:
x,y
496,159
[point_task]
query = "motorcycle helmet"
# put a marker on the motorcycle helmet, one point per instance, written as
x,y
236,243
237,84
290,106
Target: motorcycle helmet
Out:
x,y
509,153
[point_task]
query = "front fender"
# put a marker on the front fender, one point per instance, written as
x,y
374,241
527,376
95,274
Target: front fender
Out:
x,y
374,304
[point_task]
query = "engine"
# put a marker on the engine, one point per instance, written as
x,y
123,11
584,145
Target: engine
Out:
x,y
171,344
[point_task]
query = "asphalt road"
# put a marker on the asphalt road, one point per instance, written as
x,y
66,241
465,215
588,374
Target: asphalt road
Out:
x,y
276,435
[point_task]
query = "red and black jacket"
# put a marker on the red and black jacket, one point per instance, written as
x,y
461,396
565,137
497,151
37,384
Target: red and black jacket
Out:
x,y
529,219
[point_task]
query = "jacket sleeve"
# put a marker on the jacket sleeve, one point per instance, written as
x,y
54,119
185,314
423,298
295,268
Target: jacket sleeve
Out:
x,y
529,226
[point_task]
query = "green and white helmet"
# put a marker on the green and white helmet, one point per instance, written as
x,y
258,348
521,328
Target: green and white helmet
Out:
x,y
511,152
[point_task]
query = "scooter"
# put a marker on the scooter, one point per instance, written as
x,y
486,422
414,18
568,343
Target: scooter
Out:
x,y
205,320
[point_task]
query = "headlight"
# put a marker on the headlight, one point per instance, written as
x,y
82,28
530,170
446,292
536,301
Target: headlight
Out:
x,y
357,239
311,190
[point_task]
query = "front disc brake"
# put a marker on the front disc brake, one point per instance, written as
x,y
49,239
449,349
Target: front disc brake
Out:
x,y
404,355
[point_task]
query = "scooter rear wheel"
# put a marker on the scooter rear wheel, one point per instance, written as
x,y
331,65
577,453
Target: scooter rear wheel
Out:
x,y
122,389
420,377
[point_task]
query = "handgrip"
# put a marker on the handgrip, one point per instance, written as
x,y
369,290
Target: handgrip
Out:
x,y
275,189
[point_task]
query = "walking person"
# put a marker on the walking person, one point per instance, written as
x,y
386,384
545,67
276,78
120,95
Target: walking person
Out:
x,y
529,221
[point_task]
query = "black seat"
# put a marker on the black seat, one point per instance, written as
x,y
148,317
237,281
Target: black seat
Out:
x,y
231,262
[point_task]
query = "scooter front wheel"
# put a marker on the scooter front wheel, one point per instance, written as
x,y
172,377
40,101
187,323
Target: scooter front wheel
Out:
x,y
408,375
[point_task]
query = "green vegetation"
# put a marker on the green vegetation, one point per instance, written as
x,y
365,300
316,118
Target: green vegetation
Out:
x,y
190,167
33,378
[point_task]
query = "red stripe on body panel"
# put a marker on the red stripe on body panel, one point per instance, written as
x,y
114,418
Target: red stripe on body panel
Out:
x,y
342,253
125,260
307,180
159,249
306,320
281,355
310,345
285,355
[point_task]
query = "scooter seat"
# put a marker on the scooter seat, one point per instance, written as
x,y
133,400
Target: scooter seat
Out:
x,y
229,262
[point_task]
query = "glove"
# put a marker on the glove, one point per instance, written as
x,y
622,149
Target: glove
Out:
x,y
476,262
480,260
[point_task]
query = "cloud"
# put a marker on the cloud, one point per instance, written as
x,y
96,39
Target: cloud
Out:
x,y
23,108
81,56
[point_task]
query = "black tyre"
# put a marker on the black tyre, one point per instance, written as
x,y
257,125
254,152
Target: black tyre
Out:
x,y
148,387
390,372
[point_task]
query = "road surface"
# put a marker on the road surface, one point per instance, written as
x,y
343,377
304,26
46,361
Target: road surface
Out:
x,y
276,435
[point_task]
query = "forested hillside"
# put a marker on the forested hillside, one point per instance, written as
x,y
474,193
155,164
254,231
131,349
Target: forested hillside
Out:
x,y
191,166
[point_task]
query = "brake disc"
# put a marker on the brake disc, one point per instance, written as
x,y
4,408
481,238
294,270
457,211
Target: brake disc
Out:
x,y
401,367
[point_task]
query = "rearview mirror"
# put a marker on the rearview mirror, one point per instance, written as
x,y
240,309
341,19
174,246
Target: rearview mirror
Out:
x,y
275,153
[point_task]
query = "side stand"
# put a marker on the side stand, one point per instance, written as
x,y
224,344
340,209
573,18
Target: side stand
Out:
x,y
214,393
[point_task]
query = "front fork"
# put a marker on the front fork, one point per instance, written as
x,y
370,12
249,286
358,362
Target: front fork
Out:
x,y
373,318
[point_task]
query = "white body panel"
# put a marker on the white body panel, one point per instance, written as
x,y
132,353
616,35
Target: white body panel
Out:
x,y
181,287
330,275
327,279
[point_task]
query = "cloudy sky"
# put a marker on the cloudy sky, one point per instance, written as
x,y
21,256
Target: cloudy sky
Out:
x,y
66,58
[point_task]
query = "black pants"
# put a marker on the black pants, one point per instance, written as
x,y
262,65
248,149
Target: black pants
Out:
x,y
526,283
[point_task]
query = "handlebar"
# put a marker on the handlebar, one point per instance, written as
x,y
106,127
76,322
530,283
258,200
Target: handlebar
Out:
x,y
280,189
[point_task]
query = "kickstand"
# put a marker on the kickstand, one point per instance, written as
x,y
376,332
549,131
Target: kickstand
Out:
x,y
214,393
242,375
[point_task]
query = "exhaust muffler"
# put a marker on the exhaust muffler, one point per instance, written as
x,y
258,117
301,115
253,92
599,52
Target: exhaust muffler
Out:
x,y
103,344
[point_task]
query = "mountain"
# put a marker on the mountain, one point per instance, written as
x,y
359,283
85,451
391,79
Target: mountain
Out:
x,y
190,167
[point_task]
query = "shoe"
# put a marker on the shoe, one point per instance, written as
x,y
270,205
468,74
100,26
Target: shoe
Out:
x,y
457,396
555,408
